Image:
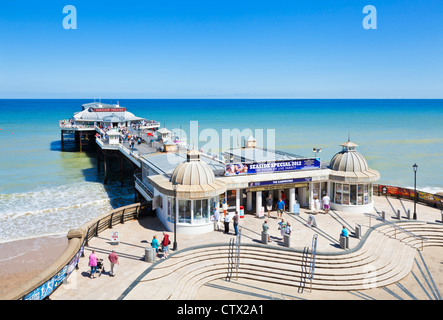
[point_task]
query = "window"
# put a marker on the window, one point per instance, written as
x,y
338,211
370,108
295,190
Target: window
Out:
x,y
198,211
171,214
201,211
352,194
184,211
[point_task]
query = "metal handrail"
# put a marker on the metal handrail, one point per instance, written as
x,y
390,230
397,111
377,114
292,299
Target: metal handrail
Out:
x,y
313,256
396,227
237,258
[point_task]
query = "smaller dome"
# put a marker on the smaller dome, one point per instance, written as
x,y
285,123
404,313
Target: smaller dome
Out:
x,y
193,171
349,160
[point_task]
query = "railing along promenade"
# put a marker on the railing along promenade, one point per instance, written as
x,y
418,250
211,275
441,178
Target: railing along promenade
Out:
x,y
429,199
41,286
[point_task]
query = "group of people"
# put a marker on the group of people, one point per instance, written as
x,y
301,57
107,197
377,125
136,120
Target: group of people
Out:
x,y
283,226
94,260
226,220
163,246
326,201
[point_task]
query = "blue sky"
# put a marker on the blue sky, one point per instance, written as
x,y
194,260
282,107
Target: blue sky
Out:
x,y
221,49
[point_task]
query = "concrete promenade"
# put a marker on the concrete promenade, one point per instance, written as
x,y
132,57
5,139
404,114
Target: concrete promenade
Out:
x,y
135,236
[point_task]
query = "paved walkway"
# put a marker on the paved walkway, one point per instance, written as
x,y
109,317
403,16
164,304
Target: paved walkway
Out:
x,y
135,236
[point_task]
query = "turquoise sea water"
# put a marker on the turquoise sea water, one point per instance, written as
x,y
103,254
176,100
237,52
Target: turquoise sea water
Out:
x,y
46,191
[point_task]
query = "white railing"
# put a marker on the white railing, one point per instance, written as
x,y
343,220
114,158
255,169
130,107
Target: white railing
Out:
x,y
312,262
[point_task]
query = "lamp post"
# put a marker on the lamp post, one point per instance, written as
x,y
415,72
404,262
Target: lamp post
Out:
x,y
415,191
174,187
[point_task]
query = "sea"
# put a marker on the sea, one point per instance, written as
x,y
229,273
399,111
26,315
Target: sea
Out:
x,y
46,191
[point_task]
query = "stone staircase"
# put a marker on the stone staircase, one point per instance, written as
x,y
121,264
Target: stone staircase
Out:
x,y
384,256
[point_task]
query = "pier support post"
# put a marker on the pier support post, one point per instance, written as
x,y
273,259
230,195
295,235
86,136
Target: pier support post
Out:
x,y
62,138
121,171
105,160
98,160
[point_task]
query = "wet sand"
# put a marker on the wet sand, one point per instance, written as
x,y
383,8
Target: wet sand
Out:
x,y
22,260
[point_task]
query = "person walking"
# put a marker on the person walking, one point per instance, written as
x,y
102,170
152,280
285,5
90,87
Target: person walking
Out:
x,y
265,228
235,221
269,205
326,202
93,264
316,204
217,219
283,196
288,229
226,221
113,259
165,245
155,244
280,208
282,227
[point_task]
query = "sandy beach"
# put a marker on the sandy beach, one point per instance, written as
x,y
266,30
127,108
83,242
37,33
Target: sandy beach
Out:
x,y
21,260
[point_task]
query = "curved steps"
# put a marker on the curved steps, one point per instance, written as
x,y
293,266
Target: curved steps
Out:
x,y
383,258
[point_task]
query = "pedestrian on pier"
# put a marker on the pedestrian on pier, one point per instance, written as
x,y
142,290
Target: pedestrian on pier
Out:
x,y
235,221
280,208
217,219
265,229
344,232
269,203
227,220
165,245
113,259
155,244
93,264
282,227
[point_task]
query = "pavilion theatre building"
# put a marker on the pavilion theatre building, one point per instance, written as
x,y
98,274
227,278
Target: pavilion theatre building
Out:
x,y
189,184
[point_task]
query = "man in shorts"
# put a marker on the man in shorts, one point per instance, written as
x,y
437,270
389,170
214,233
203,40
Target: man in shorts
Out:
x,y
280,208
269,205
326,202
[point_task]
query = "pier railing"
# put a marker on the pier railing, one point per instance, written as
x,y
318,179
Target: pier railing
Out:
x,y
426,198
42,286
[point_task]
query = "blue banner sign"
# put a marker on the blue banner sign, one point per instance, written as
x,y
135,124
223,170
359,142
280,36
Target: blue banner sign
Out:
x,y
278,182
234,169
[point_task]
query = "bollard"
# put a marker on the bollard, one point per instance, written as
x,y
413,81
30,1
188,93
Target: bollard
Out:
x,y
344,242
358,231
264,237
383,215
442,216
398,214
287,240
409,214
149,254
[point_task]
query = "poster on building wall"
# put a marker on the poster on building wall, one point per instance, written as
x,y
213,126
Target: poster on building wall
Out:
x,y
233,169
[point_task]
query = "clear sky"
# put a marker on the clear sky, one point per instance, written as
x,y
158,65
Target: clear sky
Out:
x,y
221,49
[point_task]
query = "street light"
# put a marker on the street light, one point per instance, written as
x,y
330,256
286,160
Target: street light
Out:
x,y
174,187
415,191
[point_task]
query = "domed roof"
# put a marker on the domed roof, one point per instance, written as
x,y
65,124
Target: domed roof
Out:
x,y
349,160
193,171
